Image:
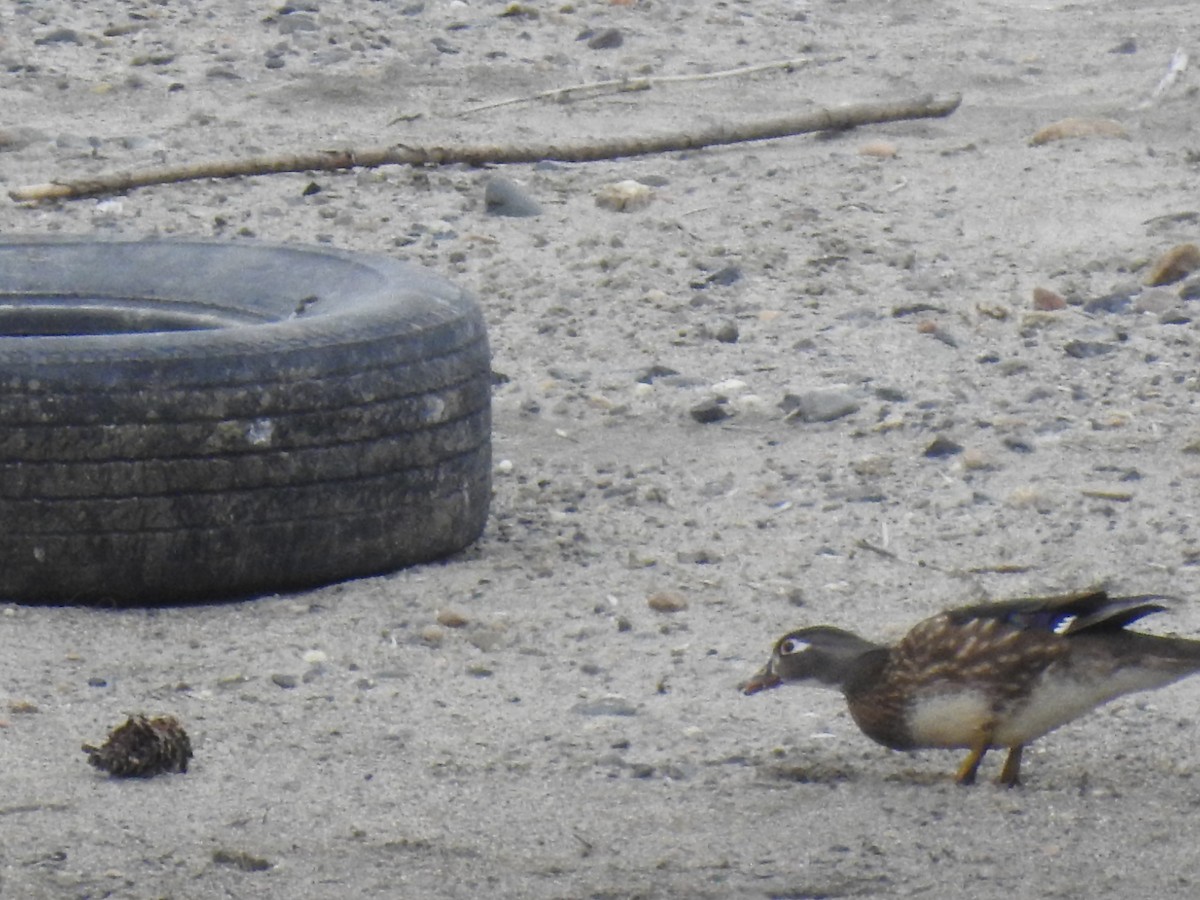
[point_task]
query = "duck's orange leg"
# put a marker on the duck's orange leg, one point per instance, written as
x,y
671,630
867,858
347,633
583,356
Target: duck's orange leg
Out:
x,y
1010,775
970,766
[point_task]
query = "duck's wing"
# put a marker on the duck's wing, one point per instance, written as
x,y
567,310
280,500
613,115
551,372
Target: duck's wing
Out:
x,y
1065,614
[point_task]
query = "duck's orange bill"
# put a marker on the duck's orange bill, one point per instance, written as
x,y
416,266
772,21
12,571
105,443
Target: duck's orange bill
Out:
x,y
761,680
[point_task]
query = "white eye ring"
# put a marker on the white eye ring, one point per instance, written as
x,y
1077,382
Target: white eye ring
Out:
x,y
790,646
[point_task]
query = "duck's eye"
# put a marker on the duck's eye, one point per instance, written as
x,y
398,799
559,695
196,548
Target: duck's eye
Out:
x,y
790,646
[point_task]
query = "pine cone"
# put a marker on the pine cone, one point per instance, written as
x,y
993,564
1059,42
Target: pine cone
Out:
x,y
142,748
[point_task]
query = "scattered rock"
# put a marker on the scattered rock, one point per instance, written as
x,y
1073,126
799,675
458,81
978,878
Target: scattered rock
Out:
x,y
667,602
624,196
1175,265
290,24
729,387
942,447
823,405
1087,349
287,682
935,330
878,149
504,197
912,309
1119,301
1046,300
712,410
606,39
723,277
975,459
1079,128
727,332
703,556
872,466
240,859
451,618
650,374
60,36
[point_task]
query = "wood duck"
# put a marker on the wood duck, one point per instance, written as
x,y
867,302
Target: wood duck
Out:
x,y
994,675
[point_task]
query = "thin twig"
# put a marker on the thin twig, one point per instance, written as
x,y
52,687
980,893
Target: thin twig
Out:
x,y
621,85
481,155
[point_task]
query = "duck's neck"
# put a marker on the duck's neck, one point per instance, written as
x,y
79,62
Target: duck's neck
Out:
x,y
859,674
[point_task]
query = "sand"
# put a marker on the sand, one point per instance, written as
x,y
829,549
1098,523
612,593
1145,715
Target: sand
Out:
x,y
555,734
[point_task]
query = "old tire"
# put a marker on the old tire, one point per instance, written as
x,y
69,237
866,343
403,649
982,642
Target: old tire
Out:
x,y
183,421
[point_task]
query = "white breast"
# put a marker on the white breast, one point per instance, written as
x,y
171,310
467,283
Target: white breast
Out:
x,y
953,719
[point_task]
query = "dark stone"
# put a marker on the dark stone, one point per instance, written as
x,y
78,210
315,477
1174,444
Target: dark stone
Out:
x,y
727,333
60,36
913,309
1087,349
712,410
1117,302
942,447
656,371
722,277
607,39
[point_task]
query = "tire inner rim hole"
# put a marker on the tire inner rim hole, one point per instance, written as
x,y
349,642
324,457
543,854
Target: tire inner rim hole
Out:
x,y
68,316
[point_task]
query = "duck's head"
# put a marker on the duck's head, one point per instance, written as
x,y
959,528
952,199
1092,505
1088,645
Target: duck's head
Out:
x,y
822,653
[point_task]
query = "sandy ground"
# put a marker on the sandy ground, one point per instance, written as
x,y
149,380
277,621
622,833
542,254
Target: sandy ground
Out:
x,y
570,740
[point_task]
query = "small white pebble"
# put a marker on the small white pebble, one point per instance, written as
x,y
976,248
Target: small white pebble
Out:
x,y
730,386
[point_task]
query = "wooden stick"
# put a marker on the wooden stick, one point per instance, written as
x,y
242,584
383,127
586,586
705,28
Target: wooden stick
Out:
x,y
644,83
480,155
